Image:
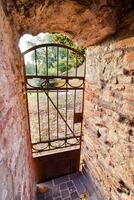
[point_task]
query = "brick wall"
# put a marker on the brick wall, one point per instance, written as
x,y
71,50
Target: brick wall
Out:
x,y
16,173
109,115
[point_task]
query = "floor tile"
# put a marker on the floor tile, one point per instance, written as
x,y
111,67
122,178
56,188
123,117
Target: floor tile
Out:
x,y
61,180
69,187
63,186
74,196
65,193
70,184
72,189
56,191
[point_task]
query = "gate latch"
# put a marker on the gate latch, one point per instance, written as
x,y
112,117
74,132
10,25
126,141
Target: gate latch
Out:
x,y
78,117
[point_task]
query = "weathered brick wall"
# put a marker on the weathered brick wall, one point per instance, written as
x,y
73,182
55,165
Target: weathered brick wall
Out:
x,y
16,173
109,115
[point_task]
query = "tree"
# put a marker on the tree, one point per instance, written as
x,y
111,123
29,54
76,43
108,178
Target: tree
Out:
x,y
51,60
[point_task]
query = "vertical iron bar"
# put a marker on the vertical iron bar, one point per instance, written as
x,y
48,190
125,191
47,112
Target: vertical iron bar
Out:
x,y
57,93
83,103
66,95
37,98
47,97
83,98
76,64
58,111
75,92
36,62
38,111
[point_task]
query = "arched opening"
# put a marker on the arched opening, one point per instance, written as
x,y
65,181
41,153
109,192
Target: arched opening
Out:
x,y
55,84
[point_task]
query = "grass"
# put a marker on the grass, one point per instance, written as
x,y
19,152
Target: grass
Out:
x,y
48,123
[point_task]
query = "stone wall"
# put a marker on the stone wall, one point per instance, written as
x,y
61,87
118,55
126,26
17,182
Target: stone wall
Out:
x,y
84,21
109,114
16,171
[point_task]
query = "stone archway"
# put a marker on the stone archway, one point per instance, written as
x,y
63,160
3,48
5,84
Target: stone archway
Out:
x,y
80,20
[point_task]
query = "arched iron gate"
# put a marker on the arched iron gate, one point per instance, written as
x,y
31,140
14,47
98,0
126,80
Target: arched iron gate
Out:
x,y
55,76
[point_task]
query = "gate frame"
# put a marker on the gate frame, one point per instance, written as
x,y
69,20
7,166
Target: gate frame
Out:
x,y
73,153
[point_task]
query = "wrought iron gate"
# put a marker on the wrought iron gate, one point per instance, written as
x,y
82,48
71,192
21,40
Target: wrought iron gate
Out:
x,y
55,77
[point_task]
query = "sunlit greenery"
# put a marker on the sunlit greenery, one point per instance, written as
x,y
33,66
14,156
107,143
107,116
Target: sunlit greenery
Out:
x,y
50,65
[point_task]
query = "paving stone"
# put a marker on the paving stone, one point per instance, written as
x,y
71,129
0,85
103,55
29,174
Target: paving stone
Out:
x,y
74,196
61,180
63,186
48,194
74,176
56,191
80,187
72,189
70,184
65,193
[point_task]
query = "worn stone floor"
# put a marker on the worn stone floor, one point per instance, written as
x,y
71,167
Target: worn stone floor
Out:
x,y
70,187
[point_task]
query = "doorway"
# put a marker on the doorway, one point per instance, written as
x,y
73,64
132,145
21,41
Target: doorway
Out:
x,y
55,81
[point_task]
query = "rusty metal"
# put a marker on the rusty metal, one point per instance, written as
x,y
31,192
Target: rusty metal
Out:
x,y
56,165
44,87
78,117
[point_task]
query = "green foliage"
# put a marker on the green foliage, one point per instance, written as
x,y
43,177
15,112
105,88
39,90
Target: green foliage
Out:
x,y
51,62
63,39
30,68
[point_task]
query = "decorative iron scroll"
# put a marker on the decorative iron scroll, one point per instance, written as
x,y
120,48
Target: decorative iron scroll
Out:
x,y
61,93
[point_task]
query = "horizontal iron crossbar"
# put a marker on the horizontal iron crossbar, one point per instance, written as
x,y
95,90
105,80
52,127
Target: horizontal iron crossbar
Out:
x,y
55,148
51,89
53,77
54,140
